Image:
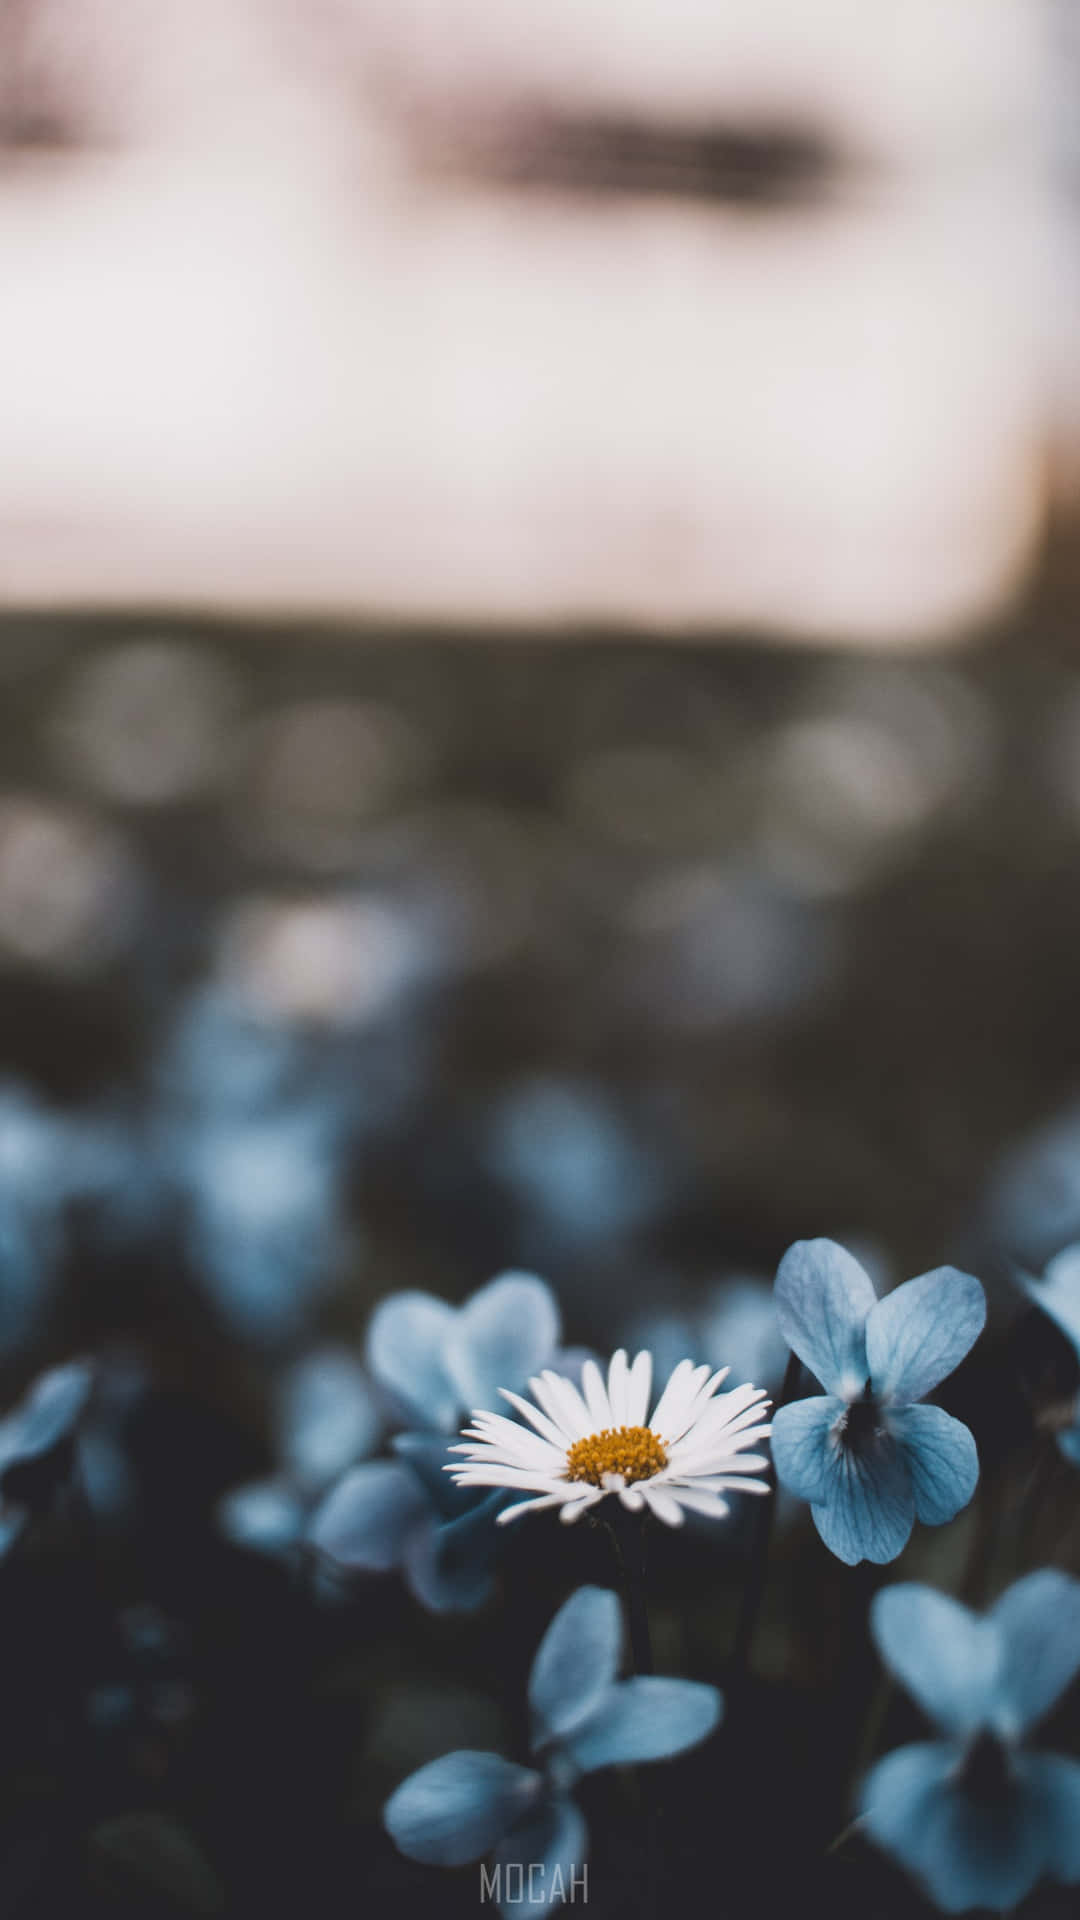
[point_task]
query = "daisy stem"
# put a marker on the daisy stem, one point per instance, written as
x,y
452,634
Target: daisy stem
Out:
x,y
754,1590
627,1532
628,1538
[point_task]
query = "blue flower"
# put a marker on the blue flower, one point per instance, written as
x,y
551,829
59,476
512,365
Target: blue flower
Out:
x,y
976,1817
1058,1294
868,1458
325,1418
468,1804
436,1361
734,1325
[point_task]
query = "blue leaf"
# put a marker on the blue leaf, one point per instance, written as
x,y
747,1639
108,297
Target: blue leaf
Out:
x,y
458,1807
546,1853
645,1719
869,1506
505,1332
406,1347
941,1459
801,1445
366,1521
823,1298
576,1662
967,1854
1039,1621
921,1331
947,1658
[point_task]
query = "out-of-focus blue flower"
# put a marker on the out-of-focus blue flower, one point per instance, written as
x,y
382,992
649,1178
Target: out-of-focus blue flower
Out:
x,y
1058,1294
1032,1206
468,1804
868,1458
265,1226
325,1417
37,1445
436,1362
734,1326
976,1817
574,1167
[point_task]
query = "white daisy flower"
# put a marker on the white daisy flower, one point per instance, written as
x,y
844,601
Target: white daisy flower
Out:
x,y
578,1447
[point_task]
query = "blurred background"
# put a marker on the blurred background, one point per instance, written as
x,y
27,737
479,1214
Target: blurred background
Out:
x,y
539,727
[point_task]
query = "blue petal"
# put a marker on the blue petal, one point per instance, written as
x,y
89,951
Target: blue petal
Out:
x,y
869,1506
941,1459
1058,1292
800,1444
406,1347
50,1410
740,1329
823,1298
1039,1621
428,1454
1069,1443
505,1332
968,1855
458,1807
266,1516
366,1521
1053,1783
576,1662
921,1331
451,1568
645,1719
545,1855
328,1416
948,1659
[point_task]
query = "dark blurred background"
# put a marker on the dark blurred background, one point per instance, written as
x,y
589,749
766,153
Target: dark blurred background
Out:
x,y
539,727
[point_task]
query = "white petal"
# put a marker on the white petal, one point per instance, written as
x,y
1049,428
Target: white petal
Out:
x,y
521,1442
706,1392
677,1394
639,1389
681,1414
573,1509
663,1504
529,1506
633,1498
498,1475
535,1418
706,1503
596,1399
618,1386
564,1403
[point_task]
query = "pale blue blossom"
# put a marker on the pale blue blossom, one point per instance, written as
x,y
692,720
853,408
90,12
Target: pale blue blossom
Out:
x,y
866,1455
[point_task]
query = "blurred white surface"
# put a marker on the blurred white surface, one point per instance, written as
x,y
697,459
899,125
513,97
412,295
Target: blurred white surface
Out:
x,y
274,338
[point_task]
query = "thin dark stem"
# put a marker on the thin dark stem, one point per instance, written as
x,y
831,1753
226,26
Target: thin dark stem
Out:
x,y
628,1534
754,1590
627,1531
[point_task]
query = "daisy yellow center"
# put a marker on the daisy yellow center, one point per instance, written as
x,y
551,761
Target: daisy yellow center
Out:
x,y
634,1452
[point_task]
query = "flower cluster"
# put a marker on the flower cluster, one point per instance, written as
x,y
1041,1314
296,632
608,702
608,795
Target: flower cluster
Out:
x,y
467,1804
